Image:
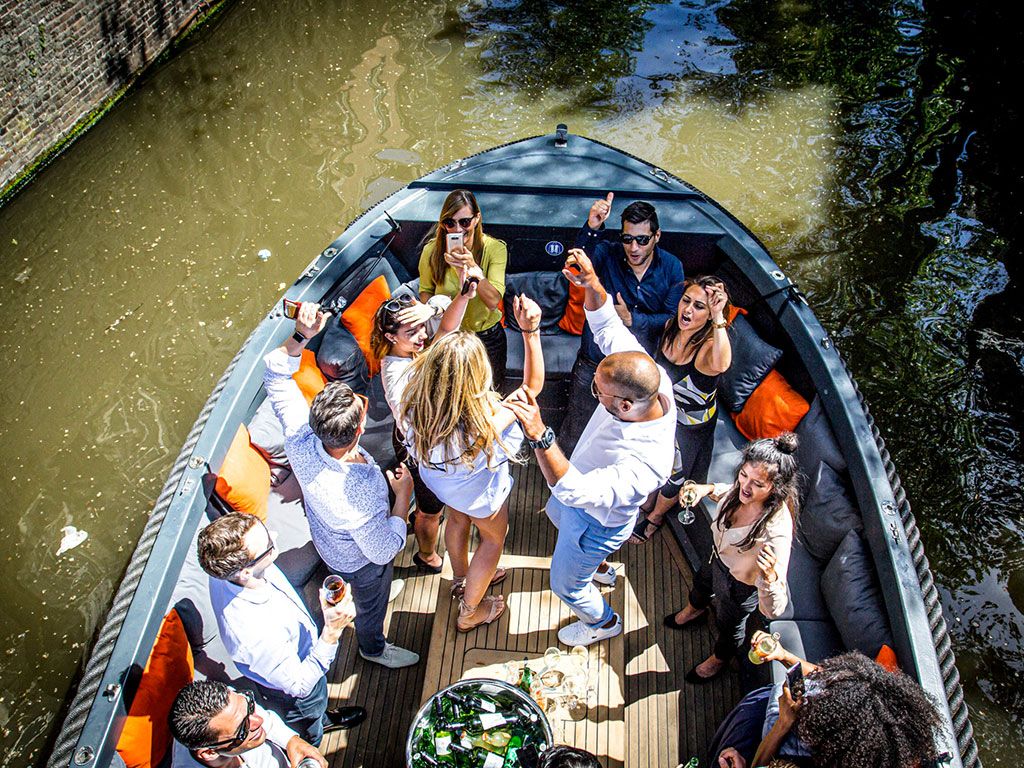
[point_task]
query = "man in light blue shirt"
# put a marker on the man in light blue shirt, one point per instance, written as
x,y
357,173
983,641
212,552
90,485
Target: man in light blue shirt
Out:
x,y
267,629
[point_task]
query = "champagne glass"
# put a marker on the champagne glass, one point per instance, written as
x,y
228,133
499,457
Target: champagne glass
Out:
x,y
551,658
688,497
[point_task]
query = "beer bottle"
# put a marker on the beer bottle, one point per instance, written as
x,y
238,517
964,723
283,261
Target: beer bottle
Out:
x,y
526,678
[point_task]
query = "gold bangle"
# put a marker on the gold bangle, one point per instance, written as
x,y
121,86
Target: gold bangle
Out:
x,y
723,324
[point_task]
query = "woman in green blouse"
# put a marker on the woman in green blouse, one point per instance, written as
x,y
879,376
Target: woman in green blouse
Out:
x,y
439,272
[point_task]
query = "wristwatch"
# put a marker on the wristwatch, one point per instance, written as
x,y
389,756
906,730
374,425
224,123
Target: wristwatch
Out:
x,y
546,440
299,337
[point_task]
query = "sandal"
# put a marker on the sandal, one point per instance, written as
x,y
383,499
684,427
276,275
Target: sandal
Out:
x,y
458,588
644,529
492,606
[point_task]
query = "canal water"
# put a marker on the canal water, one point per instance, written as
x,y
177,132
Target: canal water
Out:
x,y
871,145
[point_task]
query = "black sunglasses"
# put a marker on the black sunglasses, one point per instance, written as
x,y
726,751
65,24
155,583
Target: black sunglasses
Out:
x,y
398,303
640,239
449,222
264,553
242,733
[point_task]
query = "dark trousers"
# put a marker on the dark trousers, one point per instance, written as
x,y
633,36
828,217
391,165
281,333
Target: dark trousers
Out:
x,y
741,728
371,587
496,345
426,502
695,444
305,716
734,601
581,403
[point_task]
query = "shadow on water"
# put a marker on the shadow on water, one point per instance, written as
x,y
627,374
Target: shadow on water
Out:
x,y
871,144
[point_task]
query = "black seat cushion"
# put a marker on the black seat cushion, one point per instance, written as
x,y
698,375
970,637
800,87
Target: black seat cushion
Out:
x,y
752,358
854,599
828,515
549,289
803,583
817,441
559,349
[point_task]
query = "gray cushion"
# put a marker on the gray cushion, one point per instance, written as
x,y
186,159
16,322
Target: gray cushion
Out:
x,y
728,451
339,356
811,640
549,289
380,423
267,436
854,599
752,358
828,515
817,441
803,585
297,557
559,349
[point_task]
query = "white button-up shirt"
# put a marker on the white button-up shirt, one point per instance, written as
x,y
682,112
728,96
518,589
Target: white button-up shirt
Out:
x,y
270,635
617,464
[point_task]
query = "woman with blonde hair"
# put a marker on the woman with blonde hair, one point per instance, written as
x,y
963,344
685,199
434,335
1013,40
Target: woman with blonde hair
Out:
x,y
400,333
464,437
439,273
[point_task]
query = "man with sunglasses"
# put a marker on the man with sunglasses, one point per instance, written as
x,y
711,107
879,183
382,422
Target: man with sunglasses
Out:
x,y
217,727
644,283
345,494
624,454
267,629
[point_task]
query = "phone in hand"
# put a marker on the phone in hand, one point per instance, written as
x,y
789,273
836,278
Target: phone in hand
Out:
x,y
470,281
795,680
454,241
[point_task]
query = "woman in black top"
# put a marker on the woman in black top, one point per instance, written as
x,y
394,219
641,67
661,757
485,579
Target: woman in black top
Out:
x,y
694,351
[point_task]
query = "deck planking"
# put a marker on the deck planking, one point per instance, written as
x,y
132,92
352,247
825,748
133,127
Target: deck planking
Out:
x,y
642,714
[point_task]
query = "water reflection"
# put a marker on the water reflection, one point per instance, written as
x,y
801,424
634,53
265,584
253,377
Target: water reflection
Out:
x,y
841,133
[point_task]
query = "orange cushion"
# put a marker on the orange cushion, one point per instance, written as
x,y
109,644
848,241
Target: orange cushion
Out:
x,y
773,408
146,736
309,377
244,479
886,659
733,311
359,316
573,317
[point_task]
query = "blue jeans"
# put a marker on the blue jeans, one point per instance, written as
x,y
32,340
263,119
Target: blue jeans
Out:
x,y
371,587
581,546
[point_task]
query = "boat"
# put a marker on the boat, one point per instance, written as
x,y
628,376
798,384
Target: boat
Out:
x,y
535,194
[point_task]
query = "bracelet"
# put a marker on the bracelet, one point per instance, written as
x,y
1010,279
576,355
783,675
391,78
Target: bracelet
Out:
x,y
531,330
723,324
299,338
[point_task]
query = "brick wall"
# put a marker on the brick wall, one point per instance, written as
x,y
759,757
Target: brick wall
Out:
x,y
62,60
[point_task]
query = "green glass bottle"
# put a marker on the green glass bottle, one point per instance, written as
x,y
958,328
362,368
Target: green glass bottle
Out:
x,y
526,678
512,752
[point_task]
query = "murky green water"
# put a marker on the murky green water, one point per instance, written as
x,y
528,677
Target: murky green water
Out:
x,y
867,144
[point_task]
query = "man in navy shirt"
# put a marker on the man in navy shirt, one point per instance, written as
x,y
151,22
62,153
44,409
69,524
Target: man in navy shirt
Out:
x,y
645,283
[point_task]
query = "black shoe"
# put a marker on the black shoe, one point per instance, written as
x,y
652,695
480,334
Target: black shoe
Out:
x,y
343,718
693,677
423,565
671,623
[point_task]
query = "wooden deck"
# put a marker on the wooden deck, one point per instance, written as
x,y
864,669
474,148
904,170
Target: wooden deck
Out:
x,y
641,714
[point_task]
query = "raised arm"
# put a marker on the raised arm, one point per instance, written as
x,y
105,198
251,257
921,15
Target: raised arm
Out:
x,y
716,357
285,397
610,333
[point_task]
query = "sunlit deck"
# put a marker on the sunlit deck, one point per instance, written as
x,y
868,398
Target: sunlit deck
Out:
x,y
641,713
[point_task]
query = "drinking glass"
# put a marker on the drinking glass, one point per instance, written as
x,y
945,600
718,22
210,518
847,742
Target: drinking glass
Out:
x,y
551,657
764,647
688,497
334,589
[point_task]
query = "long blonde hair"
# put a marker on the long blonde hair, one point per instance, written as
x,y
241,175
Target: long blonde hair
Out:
x,y
449,401
456,201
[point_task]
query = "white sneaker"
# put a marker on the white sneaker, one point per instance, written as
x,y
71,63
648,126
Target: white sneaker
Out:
x,y
393,657
579,633
605,578
397,585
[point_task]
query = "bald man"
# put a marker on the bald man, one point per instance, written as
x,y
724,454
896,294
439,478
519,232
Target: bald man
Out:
x,y
624,454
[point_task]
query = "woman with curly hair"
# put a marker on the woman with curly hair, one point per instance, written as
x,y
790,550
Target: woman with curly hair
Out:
x,y
752,535
853,714
400,333
439,273
463,438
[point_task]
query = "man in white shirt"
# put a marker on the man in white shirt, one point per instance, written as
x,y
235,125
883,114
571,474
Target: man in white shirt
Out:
x,y
267,629
624,454
217,727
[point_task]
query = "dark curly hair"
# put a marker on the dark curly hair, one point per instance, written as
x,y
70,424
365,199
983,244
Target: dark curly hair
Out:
x,y
859,715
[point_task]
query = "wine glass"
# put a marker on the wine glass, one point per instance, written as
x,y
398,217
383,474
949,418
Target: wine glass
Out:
x,y
551,658
688,497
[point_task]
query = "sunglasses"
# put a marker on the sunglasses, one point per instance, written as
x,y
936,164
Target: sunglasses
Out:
x,y
449,223
264,553
640,239
242,733
398,303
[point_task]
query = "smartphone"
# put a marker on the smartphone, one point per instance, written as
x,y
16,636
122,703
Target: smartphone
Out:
x,y
455,241
291,308
795,679
469,281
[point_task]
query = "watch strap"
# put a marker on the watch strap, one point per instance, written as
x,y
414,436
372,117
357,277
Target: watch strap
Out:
x,y
546,440
299,338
